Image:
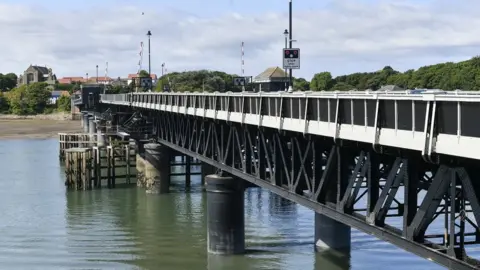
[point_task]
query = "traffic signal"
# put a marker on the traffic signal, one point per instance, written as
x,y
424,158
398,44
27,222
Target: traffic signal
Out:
x,y
291,53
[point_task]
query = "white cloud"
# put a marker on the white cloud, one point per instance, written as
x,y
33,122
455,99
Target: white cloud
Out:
x,y
343,37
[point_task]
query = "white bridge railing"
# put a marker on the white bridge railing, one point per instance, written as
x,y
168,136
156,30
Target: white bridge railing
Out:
x,y
430,121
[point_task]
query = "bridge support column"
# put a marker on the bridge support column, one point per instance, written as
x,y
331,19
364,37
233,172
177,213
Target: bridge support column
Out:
x,y
225,215
82,119
157,168
101,129
140,167
92,128
331,234
86,122
207,169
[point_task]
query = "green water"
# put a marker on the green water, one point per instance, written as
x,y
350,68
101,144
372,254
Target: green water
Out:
x,y
42,226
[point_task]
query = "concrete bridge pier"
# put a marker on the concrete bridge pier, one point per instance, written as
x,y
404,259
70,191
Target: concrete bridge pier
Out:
x,y
331,235
225,215
140,162
140,168
92,128
101,130
157,168
82,119
86,122
207,169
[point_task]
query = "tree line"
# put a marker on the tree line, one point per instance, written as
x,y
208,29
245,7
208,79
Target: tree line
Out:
x,y
465,75
31,99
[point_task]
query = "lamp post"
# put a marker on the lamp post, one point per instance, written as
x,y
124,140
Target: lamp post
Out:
x,y
149,34
285,33
87,77
97,74
291,36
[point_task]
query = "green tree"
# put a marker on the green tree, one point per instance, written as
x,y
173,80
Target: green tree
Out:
x,y
143,73
4,106
65,87
215,84
8,81
64,103
29,99
118,89
300,84
341,86
322,81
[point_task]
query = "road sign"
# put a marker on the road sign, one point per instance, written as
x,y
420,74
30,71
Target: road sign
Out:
x,y
146,82
291,58
239,81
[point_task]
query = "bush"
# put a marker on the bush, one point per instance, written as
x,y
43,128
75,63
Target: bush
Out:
x,y
4,106
64,103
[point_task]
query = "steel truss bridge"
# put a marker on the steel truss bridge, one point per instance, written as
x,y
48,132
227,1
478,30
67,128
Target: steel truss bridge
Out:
x,y
402,167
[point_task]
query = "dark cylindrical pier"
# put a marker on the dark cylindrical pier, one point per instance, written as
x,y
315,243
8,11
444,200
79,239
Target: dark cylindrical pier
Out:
x,y
157,168
225,215
207,169
331,234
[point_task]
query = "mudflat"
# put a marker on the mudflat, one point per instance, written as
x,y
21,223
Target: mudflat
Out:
x,y
36,128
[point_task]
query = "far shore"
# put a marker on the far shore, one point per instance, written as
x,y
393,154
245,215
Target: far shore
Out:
x,y
59,116
36,126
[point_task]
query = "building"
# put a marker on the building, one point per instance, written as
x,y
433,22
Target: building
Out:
x,y
70,80
57,94
35,74
101,80
120,82
131,78
272,79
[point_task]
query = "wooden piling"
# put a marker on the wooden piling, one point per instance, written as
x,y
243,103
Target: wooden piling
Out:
x,y
78,167
86,164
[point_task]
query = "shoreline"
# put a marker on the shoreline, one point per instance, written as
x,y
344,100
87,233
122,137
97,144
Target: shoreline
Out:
x,y
59,116
36,127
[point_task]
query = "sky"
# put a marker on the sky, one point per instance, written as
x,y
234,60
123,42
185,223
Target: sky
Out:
x,y
340,36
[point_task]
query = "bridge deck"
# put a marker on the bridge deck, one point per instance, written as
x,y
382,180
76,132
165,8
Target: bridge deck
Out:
x,y
438,122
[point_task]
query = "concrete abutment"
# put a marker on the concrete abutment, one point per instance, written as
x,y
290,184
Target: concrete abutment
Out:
x,y
157,168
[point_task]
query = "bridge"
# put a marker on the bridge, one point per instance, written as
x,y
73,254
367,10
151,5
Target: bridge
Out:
x,y
402,166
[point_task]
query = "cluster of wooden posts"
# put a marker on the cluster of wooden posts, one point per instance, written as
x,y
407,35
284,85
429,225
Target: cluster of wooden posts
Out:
x,y
89,166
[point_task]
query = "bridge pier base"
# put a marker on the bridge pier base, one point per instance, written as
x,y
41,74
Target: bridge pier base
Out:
x,y
331,234
140,167
140,164
85,123
101,130
157,168
82,119
207,169
225,215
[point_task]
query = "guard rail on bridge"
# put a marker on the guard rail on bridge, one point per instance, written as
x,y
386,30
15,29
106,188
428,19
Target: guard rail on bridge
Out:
x,y
433,122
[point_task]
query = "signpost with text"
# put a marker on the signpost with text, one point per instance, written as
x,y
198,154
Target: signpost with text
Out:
x,y
291,58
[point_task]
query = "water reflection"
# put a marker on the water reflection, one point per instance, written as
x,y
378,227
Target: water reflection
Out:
x,y
329,260
45,227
